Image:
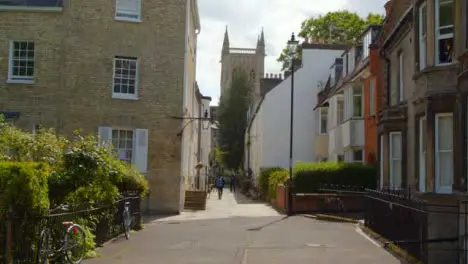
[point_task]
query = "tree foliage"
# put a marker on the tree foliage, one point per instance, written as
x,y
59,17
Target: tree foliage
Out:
x,y
232,118
334,27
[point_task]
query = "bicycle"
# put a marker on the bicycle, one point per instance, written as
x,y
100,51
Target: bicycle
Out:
x,y
127,220
46,249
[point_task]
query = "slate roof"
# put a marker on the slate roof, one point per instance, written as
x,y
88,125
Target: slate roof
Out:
x,y
33,3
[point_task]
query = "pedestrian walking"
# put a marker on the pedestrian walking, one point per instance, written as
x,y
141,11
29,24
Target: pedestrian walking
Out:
x,y
232,184
220,186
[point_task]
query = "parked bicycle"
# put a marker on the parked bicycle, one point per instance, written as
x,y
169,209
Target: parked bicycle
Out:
x,y
127,220
72,246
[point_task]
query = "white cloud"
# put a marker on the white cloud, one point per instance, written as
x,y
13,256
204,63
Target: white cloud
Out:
x,y
245,18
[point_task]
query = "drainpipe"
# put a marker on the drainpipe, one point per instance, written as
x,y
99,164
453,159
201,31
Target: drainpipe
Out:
x,y
184,102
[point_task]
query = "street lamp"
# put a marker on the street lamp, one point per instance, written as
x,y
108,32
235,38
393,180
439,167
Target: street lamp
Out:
x,y
292,49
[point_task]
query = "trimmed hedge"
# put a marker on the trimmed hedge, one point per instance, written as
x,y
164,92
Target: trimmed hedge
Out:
x,y
263,180
308,177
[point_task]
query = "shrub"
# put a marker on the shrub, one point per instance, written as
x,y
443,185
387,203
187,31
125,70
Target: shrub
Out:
x,y
263,180
23,187
309,176
276,178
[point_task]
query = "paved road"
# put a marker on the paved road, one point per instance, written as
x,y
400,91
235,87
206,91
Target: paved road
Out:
x,y
239,232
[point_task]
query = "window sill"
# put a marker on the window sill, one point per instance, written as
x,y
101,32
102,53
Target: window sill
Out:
x,y
124,96
125,19
12,81
438,67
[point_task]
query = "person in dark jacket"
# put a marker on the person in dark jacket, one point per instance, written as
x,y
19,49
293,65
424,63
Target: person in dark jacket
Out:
x,y
232,184
220,186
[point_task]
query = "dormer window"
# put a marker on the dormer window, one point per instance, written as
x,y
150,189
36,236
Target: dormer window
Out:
x,y
332,75
366,43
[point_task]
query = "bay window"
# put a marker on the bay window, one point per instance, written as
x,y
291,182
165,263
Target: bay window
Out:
x,y
340,111
444,31
401,87
422,35
422,154
443,152
395,160
323,120
357,101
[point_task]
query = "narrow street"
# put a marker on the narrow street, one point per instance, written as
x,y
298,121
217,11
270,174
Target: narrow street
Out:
x,y
242,232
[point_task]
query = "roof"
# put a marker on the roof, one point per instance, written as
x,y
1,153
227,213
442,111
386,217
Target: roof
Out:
x,y
404,18
32,3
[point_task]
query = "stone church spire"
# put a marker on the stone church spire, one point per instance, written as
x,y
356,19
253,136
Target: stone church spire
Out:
x,y
226,41
261,43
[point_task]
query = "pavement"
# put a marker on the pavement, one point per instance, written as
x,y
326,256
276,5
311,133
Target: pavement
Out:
x,y
240,231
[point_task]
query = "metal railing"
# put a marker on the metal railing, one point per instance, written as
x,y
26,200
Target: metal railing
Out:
x,y
19,234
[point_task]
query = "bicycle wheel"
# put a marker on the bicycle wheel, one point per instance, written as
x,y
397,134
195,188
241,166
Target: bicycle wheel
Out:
x,y
127,223
42,253
74,245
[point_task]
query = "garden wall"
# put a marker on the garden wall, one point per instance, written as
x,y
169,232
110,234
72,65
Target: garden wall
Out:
x,y
319,202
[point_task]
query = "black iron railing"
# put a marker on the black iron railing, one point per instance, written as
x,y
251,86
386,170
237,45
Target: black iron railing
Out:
x,y
19,234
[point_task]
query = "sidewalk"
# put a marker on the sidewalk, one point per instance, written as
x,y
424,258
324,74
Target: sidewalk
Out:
x,y
231,205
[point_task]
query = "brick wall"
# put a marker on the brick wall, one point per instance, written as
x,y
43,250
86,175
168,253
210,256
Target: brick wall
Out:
x,y
74,73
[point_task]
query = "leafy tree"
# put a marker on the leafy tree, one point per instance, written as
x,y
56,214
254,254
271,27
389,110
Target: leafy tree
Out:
x,y
334,27
232,118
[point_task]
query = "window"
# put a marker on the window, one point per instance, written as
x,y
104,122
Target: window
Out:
x,y
401,90
444,31
340,111
372,97
357,101
366,43
22,61
128,10
395,160
122,141
345,65
358,155
125,78
444,153
422,154
131,145
422,35
323,120
381,160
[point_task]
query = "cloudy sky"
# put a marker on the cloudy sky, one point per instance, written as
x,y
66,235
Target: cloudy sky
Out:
x,y
245,19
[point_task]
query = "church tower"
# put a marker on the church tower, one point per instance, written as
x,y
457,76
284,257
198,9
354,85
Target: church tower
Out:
x,y
251,60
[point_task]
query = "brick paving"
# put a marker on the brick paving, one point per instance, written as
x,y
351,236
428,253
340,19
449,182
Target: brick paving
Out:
x,y
242,232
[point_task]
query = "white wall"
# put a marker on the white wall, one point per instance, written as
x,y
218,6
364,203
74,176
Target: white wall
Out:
x,y
276,111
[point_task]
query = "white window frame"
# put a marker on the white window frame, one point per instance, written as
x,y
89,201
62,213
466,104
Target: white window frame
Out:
x,y
129,15
401,82
25,79
120,95
366,43
439,36
354,95
392,159
118,149
323,113
340,111
422,154
362,157
438,188
372,97
422,36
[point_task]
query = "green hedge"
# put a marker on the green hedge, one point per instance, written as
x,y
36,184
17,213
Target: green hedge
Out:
x,y
23,187
263,180
276,178
309,176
